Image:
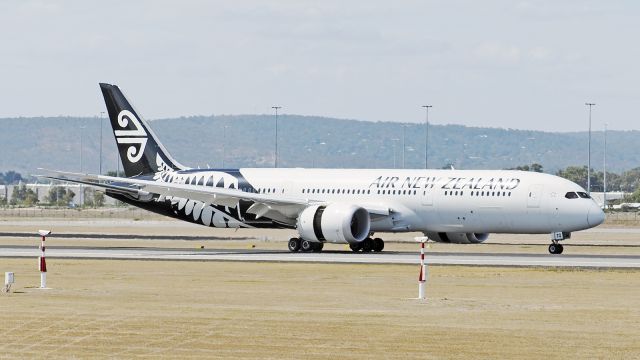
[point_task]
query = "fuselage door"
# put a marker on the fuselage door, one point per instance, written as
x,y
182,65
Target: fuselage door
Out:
x,y
534,195
427,197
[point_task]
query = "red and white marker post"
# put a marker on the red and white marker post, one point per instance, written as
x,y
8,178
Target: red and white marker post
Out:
x,y
422,277
42,262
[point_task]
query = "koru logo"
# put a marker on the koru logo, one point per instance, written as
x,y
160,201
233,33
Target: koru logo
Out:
x,y
136,136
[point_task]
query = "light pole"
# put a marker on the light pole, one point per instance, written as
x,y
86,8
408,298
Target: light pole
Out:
x,y
426,137
604,182
224,141
100,161
311,156
394,151
404,133
81,146
589,157
324,150
464,156
81,167
276,109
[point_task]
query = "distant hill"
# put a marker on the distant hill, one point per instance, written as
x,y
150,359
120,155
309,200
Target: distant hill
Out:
x,y
308,141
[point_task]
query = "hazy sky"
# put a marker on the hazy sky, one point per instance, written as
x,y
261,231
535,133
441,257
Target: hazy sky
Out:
x,y
517,64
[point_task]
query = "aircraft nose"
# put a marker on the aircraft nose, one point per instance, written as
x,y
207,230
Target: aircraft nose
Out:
x,y
595,216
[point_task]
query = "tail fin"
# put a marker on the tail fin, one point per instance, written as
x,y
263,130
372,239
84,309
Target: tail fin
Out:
x,y
140,151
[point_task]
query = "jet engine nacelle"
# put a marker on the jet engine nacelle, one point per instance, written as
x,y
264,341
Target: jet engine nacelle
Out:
x,y
336,223
459,238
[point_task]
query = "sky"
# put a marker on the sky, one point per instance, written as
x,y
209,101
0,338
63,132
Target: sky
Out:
x,y
510,64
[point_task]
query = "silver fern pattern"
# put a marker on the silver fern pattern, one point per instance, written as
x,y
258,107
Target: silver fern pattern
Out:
x,y
198,211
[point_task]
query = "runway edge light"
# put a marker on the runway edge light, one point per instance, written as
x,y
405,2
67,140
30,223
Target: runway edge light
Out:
x,y
422,277
9,280
42,262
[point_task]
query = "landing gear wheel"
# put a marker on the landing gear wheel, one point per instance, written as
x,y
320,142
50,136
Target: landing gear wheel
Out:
x,y
378,244
294,245
355,247
556,249
317,247
367,245
306,246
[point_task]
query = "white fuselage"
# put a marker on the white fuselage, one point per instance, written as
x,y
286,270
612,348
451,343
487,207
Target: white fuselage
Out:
x,y
461,201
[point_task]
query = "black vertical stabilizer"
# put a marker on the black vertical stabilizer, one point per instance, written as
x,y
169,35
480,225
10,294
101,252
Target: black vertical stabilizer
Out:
x,y
137,144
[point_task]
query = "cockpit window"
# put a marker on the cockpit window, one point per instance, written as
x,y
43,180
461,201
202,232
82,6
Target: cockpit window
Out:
x,y
584,195
571,195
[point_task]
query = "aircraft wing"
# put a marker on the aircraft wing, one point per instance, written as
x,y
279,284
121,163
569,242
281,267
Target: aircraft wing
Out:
x,y
114,188
263,203
141,188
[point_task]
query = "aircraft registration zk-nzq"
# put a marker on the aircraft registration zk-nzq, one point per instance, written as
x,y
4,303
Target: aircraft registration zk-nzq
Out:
x,y
343,206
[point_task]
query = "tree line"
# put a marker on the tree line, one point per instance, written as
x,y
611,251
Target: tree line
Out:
x,y
627,181
56,196
10,177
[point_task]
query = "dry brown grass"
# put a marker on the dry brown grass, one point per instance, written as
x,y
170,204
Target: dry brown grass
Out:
x,y
125,309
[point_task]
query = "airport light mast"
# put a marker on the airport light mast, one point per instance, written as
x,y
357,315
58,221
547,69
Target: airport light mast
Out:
x,y
604,182
81,165
394,141
100,162
590,105
426,137
224,140
404,132
276,109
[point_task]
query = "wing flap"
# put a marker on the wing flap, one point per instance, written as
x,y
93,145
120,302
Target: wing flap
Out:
x,y
114,188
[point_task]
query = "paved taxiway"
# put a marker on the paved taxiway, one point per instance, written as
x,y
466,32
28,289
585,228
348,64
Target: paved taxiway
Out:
x,y
390,257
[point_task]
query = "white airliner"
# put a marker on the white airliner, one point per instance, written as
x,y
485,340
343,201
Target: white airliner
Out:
x,y
344,206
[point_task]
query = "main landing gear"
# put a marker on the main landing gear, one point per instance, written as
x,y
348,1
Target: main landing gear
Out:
x,y
297,244
368,245
556,248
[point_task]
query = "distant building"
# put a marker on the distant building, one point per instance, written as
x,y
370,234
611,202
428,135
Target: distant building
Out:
x,y
611,196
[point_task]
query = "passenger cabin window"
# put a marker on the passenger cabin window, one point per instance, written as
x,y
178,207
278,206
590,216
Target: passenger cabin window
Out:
x,y
584,195
571,195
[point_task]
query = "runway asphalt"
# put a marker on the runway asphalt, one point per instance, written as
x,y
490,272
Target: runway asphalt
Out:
x,y
389,257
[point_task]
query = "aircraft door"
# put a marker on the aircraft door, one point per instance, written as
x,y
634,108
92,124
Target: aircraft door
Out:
x,y
427,197
534,195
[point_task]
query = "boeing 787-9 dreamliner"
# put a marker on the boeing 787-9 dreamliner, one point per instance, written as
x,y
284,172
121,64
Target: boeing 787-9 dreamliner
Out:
x,y
344,206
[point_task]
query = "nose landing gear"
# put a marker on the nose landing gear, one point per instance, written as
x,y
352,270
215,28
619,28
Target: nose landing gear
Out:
x,y
556,248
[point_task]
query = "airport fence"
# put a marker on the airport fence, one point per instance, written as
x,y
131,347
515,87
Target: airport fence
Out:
x,y
131,213
626,218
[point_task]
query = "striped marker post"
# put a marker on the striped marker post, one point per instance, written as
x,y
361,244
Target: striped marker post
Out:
x,y
42,262
422,277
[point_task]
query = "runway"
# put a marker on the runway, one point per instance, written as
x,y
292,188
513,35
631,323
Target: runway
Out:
x,y
390,257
